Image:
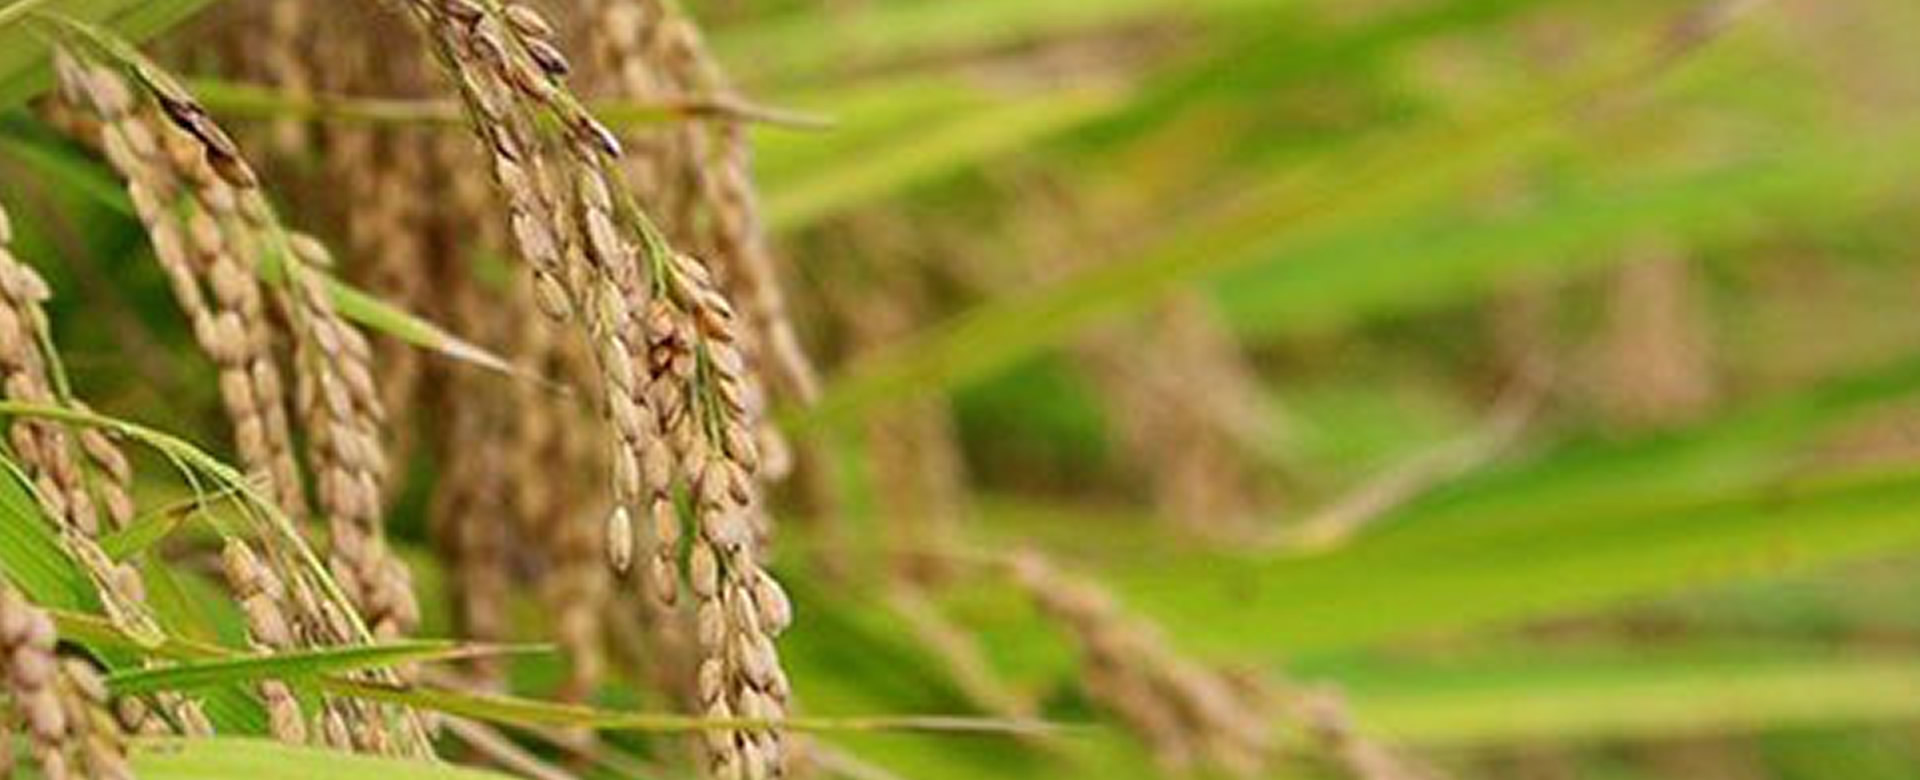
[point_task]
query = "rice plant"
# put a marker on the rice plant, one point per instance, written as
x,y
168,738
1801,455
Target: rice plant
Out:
x,y
958,388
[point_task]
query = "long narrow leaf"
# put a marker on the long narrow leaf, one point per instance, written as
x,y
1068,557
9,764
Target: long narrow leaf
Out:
x,y
1555,559
293,664
229,758
1638,695
529,712
923,154
23,54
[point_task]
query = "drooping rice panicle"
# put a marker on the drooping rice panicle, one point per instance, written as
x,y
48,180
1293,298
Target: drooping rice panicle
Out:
x,y
163,167
68,469
344,418
270,626
1328,721
598,257
180,165
700,174
1188,714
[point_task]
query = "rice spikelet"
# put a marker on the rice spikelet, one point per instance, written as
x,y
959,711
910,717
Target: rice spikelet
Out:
x,y
265,606
597,256
1187,713
176,159
61,705
163,168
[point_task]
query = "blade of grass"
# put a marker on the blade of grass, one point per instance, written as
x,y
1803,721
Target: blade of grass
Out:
x,y
296,664
231,758
921,154
149,529
24,68
1640,695
32,558
802,44
1362,273
1554,559
512,710
277,527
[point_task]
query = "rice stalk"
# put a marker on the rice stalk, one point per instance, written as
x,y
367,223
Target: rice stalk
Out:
x,y
736,236
1328,721
919,473
467,528
233,229
1183,399
1188,714
236,230
215,287
416,210
344,420
66,469
645,49
322,615
644,306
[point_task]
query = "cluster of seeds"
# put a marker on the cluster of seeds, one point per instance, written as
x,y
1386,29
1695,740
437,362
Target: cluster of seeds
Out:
x,y
379,180
673,382
59,468
1188,713
1331,726
263,602
63,706
212,283
703,174
416,208
344,416
211,228
471,539
919,472
1185,402
69,469
28,363
177,158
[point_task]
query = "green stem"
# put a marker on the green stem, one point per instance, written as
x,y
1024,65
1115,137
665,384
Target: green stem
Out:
x,y
14,13
253,101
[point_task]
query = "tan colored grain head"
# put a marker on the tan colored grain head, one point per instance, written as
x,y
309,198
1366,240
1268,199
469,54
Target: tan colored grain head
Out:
x,y
165,168
100,752
27,641
1187,713
211,227
344,418
270,626
61,705
1326,717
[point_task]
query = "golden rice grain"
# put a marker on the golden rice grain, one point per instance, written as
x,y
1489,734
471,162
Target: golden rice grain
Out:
x,y
62,706
597,256
1187,713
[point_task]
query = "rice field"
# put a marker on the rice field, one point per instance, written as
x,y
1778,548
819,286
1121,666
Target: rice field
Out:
x,y
1391,390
